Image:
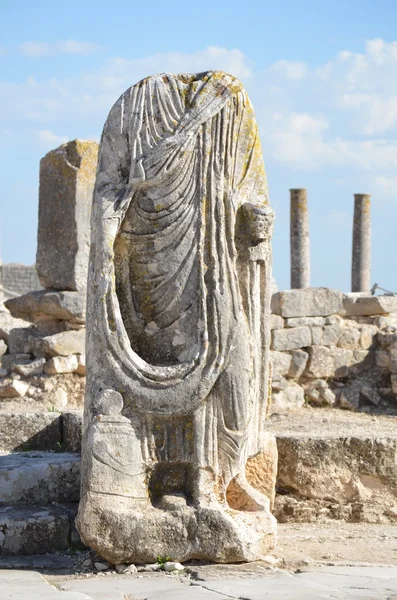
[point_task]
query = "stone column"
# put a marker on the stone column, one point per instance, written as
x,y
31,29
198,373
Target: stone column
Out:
x,y
299,236
361,259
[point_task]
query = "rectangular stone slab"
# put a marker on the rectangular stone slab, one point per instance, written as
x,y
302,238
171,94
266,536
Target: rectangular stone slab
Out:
x,y
40,477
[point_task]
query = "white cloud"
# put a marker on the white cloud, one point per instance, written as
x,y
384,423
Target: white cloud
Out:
x,y
50,139
290,69
340,115
36,49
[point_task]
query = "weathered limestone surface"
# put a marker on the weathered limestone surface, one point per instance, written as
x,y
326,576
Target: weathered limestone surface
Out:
x,y
309,302
67,177
39,478
178,327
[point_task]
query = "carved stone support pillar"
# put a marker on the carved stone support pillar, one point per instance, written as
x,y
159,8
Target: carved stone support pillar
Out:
x,y
299,240
361,257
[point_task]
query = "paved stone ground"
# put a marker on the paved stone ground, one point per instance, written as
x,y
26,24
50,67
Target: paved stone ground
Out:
x,y
342,561
253,582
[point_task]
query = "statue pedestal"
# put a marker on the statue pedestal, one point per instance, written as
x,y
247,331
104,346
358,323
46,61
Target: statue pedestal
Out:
x,y
136,532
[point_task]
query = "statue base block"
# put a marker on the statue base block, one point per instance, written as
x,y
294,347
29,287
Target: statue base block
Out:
x,y
124,530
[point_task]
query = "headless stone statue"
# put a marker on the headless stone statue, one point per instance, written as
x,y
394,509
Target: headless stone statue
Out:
x,y
177,326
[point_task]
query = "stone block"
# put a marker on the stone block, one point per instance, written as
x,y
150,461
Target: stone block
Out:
x,y
308,302
30,431
281,362
331,334
279,382
368,336
29,368
317,336
72,426
39,477
65,305
13,388
33,530
338,468
356,304
61,364
342,361
350,337
301,321
299,360
290,398
276,322
290,339
321,362
21,340
67,177
3,348
60,344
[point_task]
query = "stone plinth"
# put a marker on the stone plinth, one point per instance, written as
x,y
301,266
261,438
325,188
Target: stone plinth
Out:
x,y
67,177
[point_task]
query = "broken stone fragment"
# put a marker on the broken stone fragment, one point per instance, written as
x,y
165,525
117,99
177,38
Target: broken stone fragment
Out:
x,y
28,369
61,364
356,304
281,362
13,389
63,305
3,348
81,370
321,362
61,344
298,363
8,360
290,398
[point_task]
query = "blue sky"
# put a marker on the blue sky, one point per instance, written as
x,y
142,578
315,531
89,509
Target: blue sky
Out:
x,y
322,76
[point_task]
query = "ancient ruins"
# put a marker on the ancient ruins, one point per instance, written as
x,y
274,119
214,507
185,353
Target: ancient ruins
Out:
x,y
178,459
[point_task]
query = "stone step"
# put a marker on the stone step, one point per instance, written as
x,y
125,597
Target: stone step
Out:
x,y
26,431
37,529
332,464
336,464
39,478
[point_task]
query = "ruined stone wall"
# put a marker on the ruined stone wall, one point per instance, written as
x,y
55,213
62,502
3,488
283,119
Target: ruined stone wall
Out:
x,y
18,279
328,349
331,349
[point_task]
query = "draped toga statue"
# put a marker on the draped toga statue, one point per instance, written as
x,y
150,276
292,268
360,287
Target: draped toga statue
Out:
x,y
178,326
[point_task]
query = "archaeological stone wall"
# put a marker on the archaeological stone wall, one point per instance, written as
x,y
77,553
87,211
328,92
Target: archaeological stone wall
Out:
x,y
16,279
334,349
